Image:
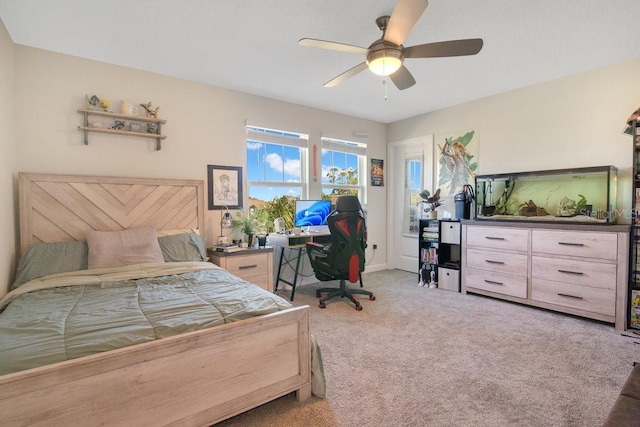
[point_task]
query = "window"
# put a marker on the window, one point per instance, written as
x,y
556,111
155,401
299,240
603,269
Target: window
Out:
x,y
275,164
413,185
343,166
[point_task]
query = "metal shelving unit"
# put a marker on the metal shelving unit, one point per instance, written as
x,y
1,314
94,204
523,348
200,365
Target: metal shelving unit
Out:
x,y
633,304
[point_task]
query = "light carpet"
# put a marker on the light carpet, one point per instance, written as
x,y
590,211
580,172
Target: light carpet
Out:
x,y
430,357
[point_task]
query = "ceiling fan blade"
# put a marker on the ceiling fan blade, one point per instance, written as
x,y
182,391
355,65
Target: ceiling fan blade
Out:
x,y
341,47
402,78
403,19
346,75
442,49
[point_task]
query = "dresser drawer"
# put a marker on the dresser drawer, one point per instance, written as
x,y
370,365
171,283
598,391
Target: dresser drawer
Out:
x,y
514,239
582,273
583,244
450,232
501,283
247,266
596,300
503,262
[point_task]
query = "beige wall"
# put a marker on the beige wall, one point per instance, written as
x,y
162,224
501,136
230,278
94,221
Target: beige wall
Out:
x,y
205,125
570,122
8,160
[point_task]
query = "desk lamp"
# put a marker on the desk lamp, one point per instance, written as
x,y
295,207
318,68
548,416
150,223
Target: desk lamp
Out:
x,y
225,222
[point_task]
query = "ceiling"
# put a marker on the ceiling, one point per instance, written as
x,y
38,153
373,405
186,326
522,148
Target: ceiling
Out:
x,y
251,45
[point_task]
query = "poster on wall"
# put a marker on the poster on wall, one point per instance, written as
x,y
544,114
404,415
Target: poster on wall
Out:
x,y
377,173
457,162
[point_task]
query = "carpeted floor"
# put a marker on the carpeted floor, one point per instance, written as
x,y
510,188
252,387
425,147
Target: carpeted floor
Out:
x,y
429,357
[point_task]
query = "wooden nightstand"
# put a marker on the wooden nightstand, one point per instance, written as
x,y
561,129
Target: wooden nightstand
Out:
x,y
254,265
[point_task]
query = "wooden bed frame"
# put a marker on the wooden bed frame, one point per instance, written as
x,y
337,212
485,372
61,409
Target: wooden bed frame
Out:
x,y
197,378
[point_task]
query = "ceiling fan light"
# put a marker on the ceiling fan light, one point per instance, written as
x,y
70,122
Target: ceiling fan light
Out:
x,y
384,62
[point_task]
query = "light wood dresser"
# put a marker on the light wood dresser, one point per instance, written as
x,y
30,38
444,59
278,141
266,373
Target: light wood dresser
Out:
x,y
254,265
570,268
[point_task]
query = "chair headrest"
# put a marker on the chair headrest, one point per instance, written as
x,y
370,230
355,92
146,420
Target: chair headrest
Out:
x,y
348,204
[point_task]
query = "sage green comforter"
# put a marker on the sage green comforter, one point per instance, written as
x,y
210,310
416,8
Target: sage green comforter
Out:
x,y
70,315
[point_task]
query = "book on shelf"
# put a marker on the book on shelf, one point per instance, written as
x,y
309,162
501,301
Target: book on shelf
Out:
x,y
227,248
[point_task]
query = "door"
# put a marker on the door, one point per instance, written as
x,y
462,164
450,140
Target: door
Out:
x,y
411,170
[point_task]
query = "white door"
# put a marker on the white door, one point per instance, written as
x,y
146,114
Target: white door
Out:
x,y
411,170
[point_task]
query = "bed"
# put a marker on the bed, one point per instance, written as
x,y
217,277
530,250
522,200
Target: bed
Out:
x,y
198,374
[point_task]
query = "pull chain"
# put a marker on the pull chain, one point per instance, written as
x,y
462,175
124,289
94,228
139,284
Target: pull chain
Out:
x,y
384,85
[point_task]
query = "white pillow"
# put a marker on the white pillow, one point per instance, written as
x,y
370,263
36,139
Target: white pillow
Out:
x,y
120,248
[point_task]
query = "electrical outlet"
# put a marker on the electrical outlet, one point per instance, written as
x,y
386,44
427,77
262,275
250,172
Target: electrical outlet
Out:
x,y
375,246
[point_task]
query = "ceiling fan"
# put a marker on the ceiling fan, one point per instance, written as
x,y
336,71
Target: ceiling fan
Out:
x,y
385,56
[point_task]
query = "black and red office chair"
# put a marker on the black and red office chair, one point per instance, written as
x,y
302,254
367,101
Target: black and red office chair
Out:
x,y
343,258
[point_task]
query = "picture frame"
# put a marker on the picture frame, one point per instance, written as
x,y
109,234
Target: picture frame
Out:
x,y
224,187
377,173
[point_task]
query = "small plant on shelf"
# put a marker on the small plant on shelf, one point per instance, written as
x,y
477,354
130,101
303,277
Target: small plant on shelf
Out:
x,y
432,201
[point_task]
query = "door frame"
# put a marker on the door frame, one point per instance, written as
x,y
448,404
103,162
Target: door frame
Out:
x,y
397,240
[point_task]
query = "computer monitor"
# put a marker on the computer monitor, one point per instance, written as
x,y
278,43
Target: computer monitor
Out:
x,y
311,212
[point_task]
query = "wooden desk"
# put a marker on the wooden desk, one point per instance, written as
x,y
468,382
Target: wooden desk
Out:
x,y
298,243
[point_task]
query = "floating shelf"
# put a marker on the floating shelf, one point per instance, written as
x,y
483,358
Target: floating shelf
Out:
x,y
86,128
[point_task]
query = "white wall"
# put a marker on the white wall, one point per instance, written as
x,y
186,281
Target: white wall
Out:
x,y
205,125
8,161
575,121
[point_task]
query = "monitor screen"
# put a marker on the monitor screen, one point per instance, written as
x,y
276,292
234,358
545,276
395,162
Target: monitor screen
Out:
x,y
312,212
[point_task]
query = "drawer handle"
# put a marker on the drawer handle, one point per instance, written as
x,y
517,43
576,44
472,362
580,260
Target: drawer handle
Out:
x,y
493,238
569,296
493,262
493,283
244,267
579,273
570,244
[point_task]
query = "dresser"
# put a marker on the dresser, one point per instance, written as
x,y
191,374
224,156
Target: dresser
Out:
x,y
575,269
254,265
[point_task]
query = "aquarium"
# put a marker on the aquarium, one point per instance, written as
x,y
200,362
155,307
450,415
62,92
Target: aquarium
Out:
x,y
582,195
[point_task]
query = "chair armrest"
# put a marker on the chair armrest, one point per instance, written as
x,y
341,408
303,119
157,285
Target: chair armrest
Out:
x,y
318,247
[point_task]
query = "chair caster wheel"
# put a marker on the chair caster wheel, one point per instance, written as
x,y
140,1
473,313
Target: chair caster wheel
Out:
x,y
358,308
372,298
322,305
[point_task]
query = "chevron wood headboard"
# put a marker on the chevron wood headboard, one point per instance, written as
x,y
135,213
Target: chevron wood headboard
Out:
x,y
57,208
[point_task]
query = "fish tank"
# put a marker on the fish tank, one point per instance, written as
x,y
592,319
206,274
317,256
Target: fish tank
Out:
x,y
582,195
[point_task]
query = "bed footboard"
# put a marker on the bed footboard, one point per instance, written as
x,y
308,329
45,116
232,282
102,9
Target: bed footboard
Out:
x,y
198,378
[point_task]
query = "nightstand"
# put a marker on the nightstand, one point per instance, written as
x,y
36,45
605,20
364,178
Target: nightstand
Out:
x,y
254,265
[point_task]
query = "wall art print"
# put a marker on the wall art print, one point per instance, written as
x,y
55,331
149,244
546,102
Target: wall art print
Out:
x,y
225,187
377,173
457,162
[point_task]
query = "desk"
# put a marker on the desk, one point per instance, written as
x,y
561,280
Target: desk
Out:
x,y
291,241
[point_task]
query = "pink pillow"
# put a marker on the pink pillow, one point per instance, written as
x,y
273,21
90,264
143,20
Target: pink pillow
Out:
x,y
120,248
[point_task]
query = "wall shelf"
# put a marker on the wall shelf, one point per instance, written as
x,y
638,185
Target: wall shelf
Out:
x,y
124,117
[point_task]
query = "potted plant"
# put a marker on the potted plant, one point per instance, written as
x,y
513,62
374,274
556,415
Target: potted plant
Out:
x,y
432,201
251,221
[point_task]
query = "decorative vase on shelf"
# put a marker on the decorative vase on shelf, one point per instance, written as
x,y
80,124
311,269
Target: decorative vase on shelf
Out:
x,y
433,214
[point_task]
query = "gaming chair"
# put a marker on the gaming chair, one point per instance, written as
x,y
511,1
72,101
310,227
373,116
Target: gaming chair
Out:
x,y
343,258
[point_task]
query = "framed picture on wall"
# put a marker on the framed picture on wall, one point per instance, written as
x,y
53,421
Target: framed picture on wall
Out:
x,y
224,187
377,173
